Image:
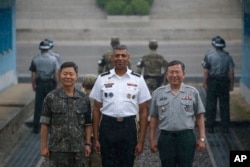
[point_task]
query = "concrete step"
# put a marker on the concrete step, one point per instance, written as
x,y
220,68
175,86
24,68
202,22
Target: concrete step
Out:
x,y
169,20
16,106
130,28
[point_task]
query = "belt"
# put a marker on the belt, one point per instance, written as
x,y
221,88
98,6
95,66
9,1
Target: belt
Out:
x,y
176,133
118,119
44,79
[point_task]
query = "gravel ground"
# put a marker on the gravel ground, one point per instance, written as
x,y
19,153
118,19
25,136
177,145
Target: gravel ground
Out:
x,y
149,159
242,131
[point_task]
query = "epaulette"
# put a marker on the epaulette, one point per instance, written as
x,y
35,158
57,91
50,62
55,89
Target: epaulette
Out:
x,y
105,73
136,74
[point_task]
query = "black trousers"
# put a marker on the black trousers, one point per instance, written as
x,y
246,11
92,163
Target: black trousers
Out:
x,y
42,89
118,140
218,89
177,148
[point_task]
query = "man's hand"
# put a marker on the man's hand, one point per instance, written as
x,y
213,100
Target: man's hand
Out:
x,y
45,152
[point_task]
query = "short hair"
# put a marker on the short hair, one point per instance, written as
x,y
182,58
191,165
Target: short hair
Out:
x,y
69,64
176,62
120,47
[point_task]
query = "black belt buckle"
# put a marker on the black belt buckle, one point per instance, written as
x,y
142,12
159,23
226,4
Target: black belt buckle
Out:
x,y
119,119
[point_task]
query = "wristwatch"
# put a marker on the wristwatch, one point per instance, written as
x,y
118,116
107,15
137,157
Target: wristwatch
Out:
x,y
202,139
88,144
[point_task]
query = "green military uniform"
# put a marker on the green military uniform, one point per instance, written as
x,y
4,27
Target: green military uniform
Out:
x,y
152,66
66,117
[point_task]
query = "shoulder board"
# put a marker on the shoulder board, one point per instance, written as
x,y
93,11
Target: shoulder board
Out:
x,y
105,73
136,74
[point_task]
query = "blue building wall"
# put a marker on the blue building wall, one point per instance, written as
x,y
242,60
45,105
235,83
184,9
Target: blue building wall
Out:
x,y
8,75
245,68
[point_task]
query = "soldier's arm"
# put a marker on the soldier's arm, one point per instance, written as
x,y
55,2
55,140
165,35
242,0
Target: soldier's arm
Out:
x,y
143,117
33,79
205,76
44,140
139,66
96,118
231,77
101,64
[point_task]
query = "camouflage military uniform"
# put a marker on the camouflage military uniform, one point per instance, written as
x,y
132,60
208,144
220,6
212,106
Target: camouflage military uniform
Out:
x,y
66,117
152,66
105,63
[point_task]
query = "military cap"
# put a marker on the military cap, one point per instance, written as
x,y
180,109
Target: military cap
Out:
x,y
153,42
114,41
44,45
89,81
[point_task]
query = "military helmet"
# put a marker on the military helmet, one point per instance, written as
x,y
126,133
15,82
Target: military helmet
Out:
x,y
51,43
88,81
218,42
153,44
44,45
115,41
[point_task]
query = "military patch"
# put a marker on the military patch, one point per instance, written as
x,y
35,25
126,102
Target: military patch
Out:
x,y
163,98
128,95
136,74
132,84
105,73
108,85
111,94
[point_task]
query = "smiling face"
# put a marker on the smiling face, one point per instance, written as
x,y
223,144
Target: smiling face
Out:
x,y
68,76
121,59
175,75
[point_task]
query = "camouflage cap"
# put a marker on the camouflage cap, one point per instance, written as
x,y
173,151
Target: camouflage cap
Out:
x,y
89,81
153,42
115,40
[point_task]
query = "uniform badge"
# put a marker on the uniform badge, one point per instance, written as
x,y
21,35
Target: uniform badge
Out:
x,y
105,94
163,109
111,94
128,95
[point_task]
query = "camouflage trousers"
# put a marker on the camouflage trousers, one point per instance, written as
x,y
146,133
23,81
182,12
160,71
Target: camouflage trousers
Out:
x,y
94,160
66,159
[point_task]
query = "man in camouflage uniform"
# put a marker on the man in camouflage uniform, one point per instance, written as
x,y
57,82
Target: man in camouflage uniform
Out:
x,y
152,66
105,63
66,118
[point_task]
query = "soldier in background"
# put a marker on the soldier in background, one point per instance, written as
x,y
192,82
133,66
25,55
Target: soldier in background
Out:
x,y
44,69
105,63
88,82
218,81
152,66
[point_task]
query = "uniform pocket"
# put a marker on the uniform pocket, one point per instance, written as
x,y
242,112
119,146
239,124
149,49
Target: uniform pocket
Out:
x,y
187,106
58,115
80,112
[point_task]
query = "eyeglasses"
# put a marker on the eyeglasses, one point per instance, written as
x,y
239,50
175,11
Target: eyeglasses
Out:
x,y
177,72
